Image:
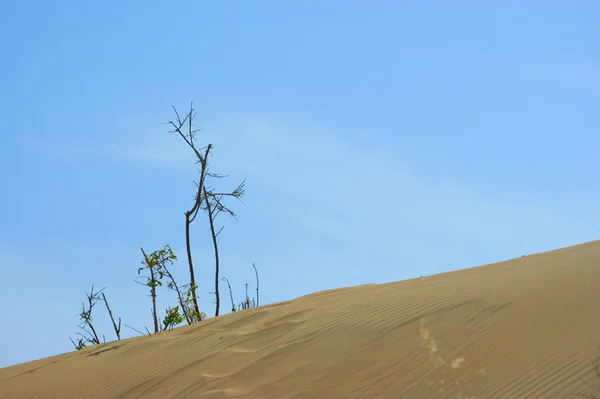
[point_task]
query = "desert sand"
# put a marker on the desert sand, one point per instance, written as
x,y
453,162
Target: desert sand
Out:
x,y
519,329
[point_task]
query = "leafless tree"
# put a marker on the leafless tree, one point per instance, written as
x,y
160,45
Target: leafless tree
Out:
x,y
89,335
204,198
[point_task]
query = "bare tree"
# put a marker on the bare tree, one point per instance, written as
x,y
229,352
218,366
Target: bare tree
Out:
x,y
205,198
213,207
89,335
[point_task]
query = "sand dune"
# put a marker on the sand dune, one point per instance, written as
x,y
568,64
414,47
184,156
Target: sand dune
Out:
x,y
520,329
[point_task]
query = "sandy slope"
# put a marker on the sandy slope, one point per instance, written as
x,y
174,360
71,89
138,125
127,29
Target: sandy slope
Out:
x,y
525,328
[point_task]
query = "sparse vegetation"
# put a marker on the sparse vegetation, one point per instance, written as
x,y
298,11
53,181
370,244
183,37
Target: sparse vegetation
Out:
x,y
155,267
248,302
89,336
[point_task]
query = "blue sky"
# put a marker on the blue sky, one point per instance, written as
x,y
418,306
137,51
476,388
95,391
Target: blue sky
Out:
x,y
381,141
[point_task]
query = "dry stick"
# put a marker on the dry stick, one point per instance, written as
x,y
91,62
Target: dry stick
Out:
x,y
117,329
216,249
136,330
256,272
230,294
152,291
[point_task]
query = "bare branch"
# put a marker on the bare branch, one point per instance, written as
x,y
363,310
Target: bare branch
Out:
x,y
256,272
117,328
86,316
216,250
136,330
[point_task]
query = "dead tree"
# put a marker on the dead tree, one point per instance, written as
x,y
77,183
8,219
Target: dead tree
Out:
x,y
213,207
204,198
89,335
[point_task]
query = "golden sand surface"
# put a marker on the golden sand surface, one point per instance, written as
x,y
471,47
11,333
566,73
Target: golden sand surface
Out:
x,y
520,329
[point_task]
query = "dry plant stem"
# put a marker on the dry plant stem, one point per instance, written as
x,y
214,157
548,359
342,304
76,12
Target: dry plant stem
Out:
x,y
136,330
95,339
209,209
256,272
230,294
117,328
152,291
86,321
87,315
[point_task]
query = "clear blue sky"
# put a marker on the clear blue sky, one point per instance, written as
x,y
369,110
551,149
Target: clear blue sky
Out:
x,y
381,140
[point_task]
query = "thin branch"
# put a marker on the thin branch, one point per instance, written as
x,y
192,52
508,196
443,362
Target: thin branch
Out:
x,y
117,329
136,330
216,250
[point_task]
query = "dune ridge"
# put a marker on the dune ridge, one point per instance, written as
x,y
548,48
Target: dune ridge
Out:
x,y
518,329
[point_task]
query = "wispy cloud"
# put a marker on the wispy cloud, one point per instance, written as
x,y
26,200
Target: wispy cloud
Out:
x,y
302,169
312,189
